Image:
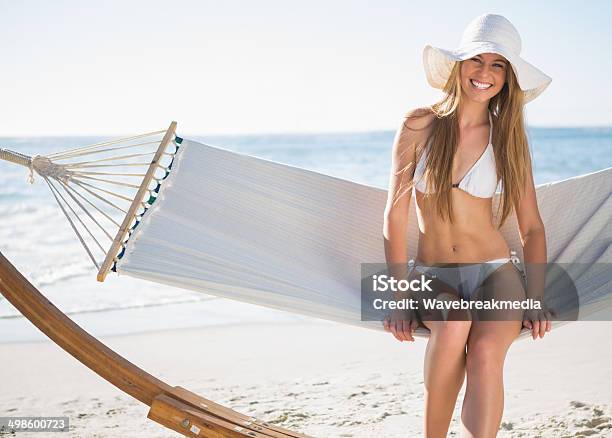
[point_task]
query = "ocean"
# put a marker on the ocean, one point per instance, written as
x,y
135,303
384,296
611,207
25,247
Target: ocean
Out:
x,y
37,239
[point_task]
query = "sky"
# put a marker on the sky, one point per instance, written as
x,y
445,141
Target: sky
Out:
x,y
268,66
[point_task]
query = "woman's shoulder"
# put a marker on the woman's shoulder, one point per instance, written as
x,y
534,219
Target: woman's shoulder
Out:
x,y
413,133
419,118
419,121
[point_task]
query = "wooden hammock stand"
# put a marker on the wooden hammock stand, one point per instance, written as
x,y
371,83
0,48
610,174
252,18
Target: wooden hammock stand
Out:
x,y
172,406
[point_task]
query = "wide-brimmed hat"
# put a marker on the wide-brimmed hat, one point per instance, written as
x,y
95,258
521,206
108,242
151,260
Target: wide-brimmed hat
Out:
x,y
488,33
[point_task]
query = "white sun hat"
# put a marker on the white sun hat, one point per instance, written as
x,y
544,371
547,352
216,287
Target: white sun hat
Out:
x,y
487,33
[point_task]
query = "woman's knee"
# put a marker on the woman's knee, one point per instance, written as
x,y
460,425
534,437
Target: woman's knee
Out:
x,y
450,332
484,356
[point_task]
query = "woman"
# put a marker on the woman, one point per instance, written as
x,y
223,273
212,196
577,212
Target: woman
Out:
x,y
439,151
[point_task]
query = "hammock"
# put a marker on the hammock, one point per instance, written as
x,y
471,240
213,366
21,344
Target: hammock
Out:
x,y
271,234
266,233
203,218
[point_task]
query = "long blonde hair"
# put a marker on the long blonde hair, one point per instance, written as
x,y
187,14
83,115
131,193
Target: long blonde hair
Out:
x,y
510,145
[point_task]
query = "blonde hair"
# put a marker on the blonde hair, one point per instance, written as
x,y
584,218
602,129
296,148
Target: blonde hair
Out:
x,y
510,144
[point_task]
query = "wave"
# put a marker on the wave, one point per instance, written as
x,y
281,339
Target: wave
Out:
x,y
120,307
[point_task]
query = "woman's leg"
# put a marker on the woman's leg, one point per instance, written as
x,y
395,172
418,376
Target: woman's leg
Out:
x,y
487,345
444,372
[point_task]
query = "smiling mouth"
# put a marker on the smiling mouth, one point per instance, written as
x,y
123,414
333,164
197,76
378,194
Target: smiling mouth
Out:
x,y
480,85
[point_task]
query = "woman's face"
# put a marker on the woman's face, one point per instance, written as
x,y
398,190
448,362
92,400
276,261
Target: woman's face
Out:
x,y
483,76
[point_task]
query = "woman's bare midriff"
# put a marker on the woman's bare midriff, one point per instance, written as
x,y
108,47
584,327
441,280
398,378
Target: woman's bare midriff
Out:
x,y
471,238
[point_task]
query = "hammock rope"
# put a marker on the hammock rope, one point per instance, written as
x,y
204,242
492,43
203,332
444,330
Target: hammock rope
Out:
x,y
80,237
104,143
103,213
95,202
88,152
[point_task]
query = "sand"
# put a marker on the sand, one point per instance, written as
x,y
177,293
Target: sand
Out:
x,y
320,378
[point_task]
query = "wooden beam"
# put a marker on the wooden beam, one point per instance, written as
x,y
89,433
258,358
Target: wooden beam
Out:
x,y
169,404
125,225
193,423
221,411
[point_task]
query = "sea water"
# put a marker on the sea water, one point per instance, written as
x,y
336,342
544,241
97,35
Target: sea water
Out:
x,y
38,240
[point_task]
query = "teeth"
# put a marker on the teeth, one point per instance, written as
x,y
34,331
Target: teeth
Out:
x,y
480,85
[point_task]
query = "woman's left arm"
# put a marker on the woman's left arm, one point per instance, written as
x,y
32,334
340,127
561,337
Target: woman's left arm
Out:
x,y
533,240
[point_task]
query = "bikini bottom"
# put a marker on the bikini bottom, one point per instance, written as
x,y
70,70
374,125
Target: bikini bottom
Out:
x,y
466,278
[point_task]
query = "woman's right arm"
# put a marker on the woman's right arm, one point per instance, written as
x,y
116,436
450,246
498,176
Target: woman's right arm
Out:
x,y
398,203
395,227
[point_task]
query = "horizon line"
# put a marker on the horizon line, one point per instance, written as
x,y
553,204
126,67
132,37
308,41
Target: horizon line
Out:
x,y
273,133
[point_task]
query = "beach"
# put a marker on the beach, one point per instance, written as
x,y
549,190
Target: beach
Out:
x,y
320,378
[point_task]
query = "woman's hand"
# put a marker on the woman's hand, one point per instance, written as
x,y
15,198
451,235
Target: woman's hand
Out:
x,y
401,323
538,321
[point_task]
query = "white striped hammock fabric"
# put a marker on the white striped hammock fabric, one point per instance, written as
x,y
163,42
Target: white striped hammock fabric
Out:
x,y
223,223
275,235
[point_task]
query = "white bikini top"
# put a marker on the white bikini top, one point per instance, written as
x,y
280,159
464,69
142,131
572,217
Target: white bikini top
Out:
x,y
480,180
